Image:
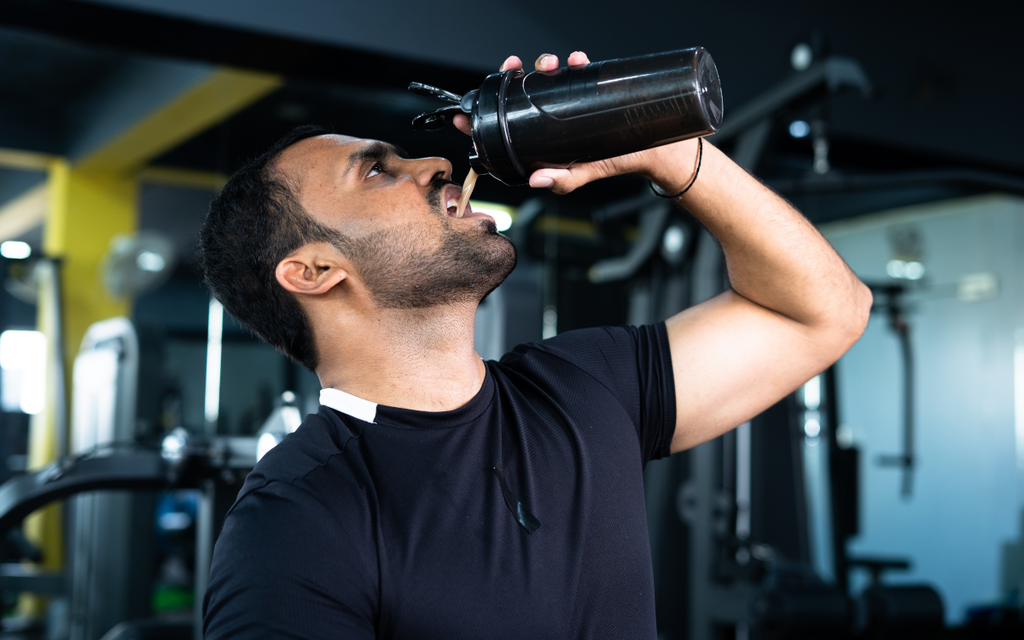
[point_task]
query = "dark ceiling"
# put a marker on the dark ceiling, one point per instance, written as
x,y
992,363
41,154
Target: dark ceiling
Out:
x,y
43,78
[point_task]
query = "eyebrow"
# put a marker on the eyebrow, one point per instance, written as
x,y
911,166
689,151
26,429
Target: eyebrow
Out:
x,y
377,151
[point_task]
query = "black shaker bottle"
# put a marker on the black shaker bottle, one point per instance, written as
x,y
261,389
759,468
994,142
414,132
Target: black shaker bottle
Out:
x,y
522,122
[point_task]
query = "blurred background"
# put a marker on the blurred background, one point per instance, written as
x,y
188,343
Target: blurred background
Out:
x,y
883,499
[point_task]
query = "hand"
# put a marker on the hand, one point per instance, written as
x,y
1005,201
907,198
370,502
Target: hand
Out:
x,y
546,62
672,157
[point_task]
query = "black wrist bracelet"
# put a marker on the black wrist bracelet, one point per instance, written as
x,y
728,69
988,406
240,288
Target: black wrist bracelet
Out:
x,y
700,154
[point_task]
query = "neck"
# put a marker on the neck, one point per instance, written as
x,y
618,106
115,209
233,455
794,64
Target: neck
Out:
x,y
420,359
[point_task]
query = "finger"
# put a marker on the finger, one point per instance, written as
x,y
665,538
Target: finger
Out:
x,y
511,62
463,123
578,58
546,62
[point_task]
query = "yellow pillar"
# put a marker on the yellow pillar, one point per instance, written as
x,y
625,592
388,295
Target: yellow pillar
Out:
x,y
86,210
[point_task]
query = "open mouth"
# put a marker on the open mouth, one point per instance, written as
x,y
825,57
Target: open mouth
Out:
x,y
453,207
452,193
451,199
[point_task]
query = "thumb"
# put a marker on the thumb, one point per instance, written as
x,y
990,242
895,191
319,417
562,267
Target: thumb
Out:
x,y
463,124
563,181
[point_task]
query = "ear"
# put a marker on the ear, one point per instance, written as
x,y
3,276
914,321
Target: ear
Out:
x,y
312,269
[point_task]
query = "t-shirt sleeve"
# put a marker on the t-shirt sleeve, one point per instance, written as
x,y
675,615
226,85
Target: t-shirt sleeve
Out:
x,y
284,567
635,365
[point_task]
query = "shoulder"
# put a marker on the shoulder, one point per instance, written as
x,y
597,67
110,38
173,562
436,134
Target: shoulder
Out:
x,y
318,442
314,474
597,372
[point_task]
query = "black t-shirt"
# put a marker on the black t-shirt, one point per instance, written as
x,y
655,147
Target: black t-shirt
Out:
x,y
399,528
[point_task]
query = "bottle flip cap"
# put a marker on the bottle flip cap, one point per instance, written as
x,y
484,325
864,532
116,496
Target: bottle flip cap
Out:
x,y
434,120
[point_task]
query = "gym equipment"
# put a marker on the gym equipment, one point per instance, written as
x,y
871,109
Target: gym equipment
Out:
x,y
185,462
891,299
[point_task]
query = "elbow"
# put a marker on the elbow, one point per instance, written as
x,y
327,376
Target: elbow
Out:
x,y
854,318
862,313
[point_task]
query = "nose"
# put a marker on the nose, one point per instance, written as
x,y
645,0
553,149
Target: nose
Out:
x,y
425,170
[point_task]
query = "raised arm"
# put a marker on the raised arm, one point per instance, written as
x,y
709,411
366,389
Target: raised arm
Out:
x,y
794,308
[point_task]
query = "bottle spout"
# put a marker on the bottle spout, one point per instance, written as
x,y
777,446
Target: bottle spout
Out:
x,y
477,164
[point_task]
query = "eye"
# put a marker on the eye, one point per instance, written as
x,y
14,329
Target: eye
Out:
x,y
376,169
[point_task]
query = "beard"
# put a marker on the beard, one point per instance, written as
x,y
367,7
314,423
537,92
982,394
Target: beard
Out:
x,y
400,274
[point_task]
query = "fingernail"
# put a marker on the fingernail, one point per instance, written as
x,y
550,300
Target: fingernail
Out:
x,y
541,182
544,58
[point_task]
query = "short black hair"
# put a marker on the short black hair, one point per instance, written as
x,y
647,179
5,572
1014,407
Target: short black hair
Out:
x,y
253,224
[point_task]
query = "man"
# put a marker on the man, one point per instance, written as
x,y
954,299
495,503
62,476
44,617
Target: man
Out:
x,y
438,496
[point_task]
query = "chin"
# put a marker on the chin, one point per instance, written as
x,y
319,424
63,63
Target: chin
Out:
x,y
488,226
469,265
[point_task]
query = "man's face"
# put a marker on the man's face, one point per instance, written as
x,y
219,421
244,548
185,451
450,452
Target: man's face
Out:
x,y
406,243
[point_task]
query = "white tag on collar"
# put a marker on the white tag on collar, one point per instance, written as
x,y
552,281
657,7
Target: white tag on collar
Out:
x,y
349,404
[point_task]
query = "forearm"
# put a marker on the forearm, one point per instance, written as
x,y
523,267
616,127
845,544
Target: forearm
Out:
x,y
775,257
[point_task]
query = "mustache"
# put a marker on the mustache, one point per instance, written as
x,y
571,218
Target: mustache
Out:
x,y
437,185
